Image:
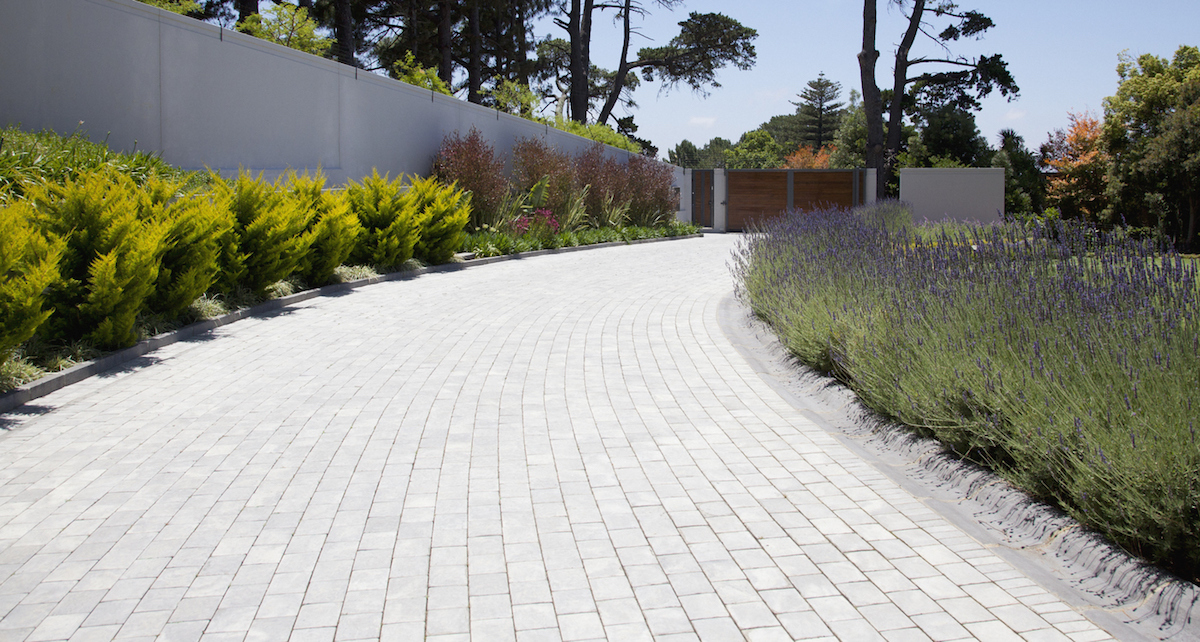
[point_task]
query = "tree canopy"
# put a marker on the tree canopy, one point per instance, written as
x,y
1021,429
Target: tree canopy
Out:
x,y
819,111
288,25
487,51
711,156
1080,165
1152,134
951,80
756,150
706,43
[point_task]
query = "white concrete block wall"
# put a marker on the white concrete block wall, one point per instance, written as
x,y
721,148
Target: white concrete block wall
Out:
x,y
203,96
962,194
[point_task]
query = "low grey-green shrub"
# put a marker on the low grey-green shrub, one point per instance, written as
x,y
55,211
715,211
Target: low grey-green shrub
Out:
x,y
1064,358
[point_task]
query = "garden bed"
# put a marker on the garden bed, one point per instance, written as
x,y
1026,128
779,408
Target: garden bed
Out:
x,y
1061,357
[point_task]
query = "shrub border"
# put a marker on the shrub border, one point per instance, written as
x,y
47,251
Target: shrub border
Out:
x,y
21,395
1122,595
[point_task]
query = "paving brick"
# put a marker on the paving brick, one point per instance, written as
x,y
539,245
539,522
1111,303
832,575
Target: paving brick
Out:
x,y
564,447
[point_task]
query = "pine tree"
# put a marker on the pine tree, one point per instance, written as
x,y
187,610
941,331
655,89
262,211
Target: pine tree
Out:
x,y
819,111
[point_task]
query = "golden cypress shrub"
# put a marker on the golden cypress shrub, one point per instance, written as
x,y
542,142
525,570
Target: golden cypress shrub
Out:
x,y
268,240
28,266
333,229
391,223
111,259
196,228
445,213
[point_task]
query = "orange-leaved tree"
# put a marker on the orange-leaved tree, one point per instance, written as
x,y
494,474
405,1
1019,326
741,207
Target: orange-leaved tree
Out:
x,y
806,157
1077,188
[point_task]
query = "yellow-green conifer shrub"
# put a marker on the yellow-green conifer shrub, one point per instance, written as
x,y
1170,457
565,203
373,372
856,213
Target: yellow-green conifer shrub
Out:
x,y
333,230
196,228
28,266
110,263
392,224
445,212
268,239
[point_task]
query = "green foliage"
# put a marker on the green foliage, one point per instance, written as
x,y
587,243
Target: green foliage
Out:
x,y
268,240
1149,132
711,156
612,213
28,266
445,212
111,260
177,6
597,132
514,98
493,242
287,25
410,71
195,227
850,139
706,43
1024,185
818,112
17,370
28,158
950,133
756,150
391,223
573,214
1062,357
333,229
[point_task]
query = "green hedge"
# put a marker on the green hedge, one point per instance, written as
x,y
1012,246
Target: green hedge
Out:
x,y
84,255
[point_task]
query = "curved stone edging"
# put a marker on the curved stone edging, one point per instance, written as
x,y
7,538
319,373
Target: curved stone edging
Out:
x,y
41,387
1128,597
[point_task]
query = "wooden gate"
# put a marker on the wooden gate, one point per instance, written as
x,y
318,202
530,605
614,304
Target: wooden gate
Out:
x,y
759,194
702,197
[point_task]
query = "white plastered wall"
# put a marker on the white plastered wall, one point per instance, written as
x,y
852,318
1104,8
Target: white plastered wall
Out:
x,y
969,194
202,96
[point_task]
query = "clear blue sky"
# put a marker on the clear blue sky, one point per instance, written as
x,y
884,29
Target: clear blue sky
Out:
x,y
1062,53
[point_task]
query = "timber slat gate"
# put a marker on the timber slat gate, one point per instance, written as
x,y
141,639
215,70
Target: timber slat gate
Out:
x,y
702,197
758,194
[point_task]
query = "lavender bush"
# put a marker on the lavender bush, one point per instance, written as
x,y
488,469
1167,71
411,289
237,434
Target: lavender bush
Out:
x,y
1064,358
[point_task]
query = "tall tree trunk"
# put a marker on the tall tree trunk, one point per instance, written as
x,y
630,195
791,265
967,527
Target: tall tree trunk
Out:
x,y
899,82
246,8
622,69
872,100
446,42
580,30
521,38
1193,214
475,59
344,28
